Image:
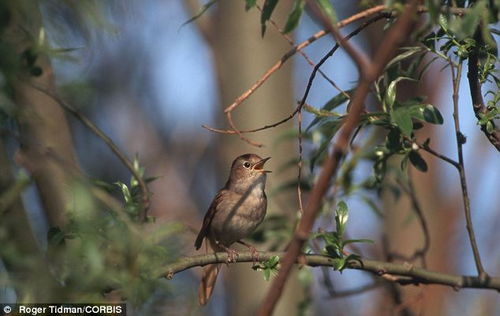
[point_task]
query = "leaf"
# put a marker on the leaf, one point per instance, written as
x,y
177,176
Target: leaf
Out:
x,y
327,8
339,264
250,4
402,118
351,241
432,115
341,216
409,51
294,17
417,161
125,191
443,22
333,103
466,26
390,93
200,12
55,236
267,11
393,141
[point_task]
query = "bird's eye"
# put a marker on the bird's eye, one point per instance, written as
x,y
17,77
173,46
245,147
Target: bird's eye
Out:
x,y
246,164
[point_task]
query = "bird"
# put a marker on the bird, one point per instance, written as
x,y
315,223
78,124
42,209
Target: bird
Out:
x,y
235,212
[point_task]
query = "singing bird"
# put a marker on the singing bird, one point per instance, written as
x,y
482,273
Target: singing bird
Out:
x,y
235,212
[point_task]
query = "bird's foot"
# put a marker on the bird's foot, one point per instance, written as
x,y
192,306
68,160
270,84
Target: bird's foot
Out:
x,y
232,254
253,250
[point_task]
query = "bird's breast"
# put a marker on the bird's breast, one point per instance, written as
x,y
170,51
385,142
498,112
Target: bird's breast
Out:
x,y
238,215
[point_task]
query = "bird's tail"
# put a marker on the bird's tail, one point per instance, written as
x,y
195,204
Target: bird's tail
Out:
x,y
207,284
209,276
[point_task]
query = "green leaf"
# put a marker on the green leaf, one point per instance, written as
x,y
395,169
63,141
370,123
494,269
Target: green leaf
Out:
x,y
417,161
339,264
390,93
55,236
250,4
443,22
294,17
466,26
125,191
267,11
432,115
409,51
351,241
327,8
402,119
333,103
341,216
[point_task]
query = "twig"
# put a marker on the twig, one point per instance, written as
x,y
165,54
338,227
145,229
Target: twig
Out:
x,y
368,73
461,169
420,252
438,155
475,92
108,141
399,273
308,60
308,87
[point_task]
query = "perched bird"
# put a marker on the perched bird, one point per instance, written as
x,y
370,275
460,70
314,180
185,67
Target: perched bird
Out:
x,y
236,211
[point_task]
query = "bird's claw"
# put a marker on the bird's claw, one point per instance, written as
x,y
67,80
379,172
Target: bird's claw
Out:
x,y
232,255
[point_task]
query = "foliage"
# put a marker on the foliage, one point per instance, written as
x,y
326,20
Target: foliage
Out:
x,y
104,246
334,241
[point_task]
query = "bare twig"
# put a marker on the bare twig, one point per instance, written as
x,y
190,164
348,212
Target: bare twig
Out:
x,y
475,92
308,60
108,141
308,87
368,73
438,155
400,273
461,169
420,252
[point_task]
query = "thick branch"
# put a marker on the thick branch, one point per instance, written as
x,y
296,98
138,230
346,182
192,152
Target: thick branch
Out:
x,y
477,97
400,273
370,72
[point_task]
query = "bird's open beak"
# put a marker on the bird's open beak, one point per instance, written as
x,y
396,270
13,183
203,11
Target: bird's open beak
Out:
x,y
260,164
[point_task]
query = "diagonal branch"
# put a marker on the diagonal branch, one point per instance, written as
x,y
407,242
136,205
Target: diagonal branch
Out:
x,y
403,274
475,92
368,73
108,141
461,170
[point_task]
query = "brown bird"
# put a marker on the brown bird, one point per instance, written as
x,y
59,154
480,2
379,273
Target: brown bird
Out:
x,y
236,211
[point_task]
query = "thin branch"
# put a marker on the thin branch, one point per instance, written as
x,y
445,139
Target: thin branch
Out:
x,y
245,95
420,252
108,141
400,273
461,169
308,60
436,154
308,87
476,95
369,72
297,48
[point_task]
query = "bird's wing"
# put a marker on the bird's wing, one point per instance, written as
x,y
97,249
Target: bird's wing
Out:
x,y
208,219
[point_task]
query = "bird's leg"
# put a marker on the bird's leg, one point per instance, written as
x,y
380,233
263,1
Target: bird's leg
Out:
x,y
255,253
232,254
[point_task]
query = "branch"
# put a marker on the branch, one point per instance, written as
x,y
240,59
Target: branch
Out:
x,y
400,273
475,92
108,141
369,72
316,69
461,169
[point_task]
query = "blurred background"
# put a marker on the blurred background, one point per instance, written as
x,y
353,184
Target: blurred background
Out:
x,y
150,81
